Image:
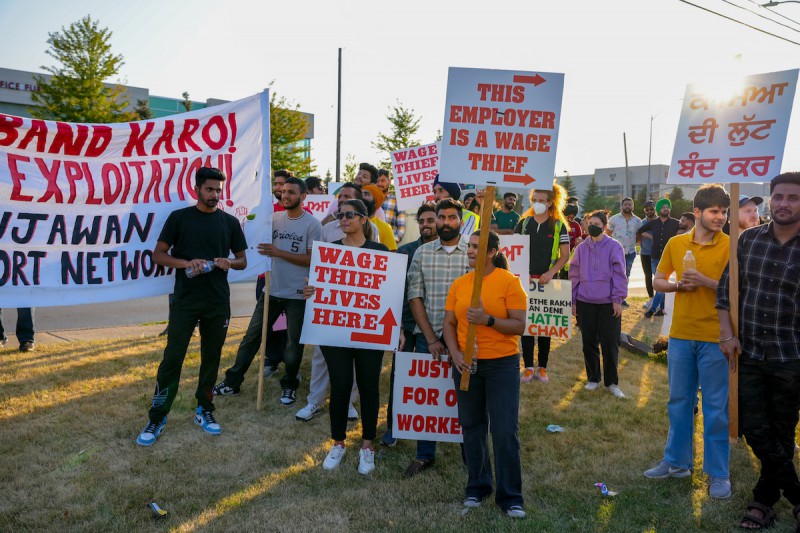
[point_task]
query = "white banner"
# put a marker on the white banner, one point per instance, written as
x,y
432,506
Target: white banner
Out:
x,y
319,204
414,170
425,405
500,127
358,302
550,309
83,204
515,248
736,137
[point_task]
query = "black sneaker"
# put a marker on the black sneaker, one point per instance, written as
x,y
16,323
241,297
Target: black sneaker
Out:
x,y
287,397
224,390
649,313
625,303
660,312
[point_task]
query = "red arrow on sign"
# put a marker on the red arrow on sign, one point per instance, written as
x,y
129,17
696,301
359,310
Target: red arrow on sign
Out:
x,y
535,79
525,179
388,322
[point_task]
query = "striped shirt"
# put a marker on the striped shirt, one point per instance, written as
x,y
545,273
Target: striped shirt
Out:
x,y
769,295
432,272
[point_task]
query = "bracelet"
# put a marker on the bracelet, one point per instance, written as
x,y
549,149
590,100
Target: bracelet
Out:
x,y
726,340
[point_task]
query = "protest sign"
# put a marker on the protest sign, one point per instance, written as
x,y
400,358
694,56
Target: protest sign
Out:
x,y
515,248
319,204
735,137
83,204
425,405
414,170
550,309
500,126
356,303
334,186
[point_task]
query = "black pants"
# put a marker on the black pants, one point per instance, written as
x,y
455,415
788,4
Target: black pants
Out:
x,y
600,329
184,314
527,350
411,341
769,399
368,365
251,342
647,267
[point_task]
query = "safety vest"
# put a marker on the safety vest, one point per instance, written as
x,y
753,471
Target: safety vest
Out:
x,y
554,253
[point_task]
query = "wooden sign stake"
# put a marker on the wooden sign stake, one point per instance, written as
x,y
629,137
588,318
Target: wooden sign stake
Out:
x,y
263,349
733,297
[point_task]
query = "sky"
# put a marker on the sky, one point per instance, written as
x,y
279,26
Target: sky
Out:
x,y
624,61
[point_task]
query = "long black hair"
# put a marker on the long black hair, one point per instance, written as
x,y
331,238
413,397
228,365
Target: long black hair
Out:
x,y
360,207
499,260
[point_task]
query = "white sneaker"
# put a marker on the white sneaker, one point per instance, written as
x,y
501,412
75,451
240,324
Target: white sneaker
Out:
x,y
647,304
592,385
333,458
615,390
352,414
308,412
366,461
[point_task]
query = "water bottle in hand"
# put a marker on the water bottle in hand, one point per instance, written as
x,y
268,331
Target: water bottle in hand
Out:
x,y
689,262
208,266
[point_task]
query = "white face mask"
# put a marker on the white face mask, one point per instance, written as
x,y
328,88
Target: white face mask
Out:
x,y
539,208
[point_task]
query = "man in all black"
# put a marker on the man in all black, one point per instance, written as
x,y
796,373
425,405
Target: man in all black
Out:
x,y
197,235
662,230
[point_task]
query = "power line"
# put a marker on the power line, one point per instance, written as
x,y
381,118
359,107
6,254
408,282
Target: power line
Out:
x,y
773,11
740,22
762,16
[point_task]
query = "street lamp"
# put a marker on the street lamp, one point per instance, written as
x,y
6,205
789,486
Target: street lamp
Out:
x,y
773,4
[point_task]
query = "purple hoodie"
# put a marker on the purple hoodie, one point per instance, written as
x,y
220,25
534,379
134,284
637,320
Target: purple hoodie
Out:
x,y
597,272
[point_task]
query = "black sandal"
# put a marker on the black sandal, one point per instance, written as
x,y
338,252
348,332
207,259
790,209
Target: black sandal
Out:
x,y
762,522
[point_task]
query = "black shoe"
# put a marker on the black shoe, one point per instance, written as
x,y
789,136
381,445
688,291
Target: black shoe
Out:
x,y
287,397
649,313
27,347
625,303
224,390
660,312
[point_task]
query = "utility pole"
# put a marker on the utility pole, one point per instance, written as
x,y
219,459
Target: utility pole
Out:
x,y
339,123
627,177
649,156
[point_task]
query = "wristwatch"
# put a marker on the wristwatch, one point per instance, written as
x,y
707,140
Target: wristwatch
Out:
x,y
679,285
490,323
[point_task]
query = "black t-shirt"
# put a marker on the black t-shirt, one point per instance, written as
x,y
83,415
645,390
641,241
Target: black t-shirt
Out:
x,y
193,234
370,245
662,232
541,242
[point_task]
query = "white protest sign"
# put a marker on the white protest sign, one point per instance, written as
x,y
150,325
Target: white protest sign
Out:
x,y
357,302
334,186
550,309
500,127
515,248
82,205
737,137
319,204
425,405
414,170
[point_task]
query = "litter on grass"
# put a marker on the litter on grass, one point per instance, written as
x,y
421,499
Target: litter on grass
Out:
x,y
553,428
604,490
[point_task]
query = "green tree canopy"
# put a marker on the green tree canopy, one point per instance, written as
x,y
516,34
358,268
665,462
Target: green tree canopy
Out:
x,y
569,185
592,199
288,129
404,125
76,91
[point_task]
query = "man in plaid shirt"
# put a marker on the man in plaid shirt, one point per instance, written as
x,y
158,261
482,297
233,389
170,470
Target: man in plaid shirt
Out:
x,y
394,217
769,341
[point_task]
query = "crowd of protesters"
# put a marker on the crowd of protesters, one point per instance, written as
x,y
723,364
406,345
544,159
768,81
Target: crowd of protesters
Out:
x,y
596,253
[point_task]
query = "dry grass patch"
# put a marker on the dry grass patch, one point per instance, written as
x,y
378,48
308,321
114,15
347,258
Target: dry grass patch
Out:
x,y
69,461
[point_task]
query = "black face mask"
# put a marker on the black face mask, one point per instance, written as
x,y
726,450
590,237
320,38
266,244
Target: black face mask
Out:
x,y
595,231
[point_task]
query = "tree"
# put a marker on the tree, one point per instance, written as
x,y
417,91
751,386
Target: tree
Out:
x,y
187,102
592,199
403,125
569,185
679,203
638,202
142,110
75,92
350,168
288,129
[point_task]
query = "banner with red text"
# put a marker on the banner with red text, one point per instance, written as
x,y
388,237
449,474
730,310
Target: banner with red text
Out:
x,y
414,170
425,406
515,248
734,134
358,301
500,127
82,205
550,309
319,204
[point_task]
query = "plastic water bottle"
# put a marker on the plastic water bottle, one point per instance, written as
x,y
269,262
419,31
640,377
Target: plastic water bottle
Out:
x,y
208,266
689,262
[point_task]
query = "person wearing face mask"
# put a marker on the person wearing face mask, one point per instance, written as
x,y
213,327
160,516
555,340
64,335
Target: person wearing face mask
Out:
x,y
599,286
548,230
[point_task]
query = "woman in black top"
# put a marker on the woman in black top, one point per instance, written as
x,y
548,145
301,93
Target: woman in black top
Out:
x,y
357,230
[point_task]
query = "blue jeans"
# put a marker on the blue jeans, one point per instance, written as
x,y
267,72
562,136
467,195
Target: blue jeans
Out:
x,y
629,259
426,449
660,298
493,395
24,330
689,364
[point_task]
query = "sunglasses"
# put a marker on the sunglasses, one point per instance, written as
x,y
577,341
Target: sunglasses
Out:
x,y
349,215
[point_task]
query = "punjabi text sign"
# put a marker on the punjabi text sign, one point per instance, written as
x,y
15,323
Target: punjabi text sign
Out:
x,y
550,309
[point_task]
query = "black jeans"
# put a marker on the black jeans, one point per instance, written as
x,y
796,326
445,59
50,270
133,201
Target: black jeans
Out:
x,y
492,404
184,314
24,329
251,342
527,350
411,341
368,365
647,267
769,399
600,329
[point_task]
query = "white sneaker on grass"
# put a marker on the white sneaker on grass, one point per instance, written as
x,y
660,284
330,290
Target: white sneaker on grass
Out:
x,y
647,304
472,502
366,461
287,397
616,391
333,458
719,488
352,414
205,419
516,511
592,385
663,470
308,412
151,432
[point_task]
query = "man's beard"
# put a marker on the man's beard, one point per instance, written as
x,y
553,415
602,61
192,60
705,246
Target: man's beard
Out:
x,y
370,206
446,233
292,206
627,210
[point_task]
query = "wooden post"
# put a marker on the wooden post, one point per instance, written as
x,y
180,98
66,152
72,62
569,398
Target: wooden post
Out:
x,y
486,225
733,297
263,349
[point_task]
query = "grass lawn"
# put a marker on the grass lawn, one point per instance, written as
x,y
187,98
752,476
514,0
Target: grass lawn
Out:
x,y
68,460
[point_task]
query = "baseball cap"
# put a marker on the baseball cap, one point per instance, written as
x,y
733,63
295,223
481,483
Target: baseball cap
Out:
x,y
743,199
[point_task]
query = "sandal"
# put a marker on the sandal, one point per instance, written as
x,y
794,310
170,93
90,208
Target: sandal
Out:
x,y
765,521
417,466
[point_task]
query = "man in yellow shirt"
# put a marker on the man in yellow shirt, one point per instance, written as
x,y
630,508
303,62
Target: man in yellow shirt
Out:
x,y
373,197
693,355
